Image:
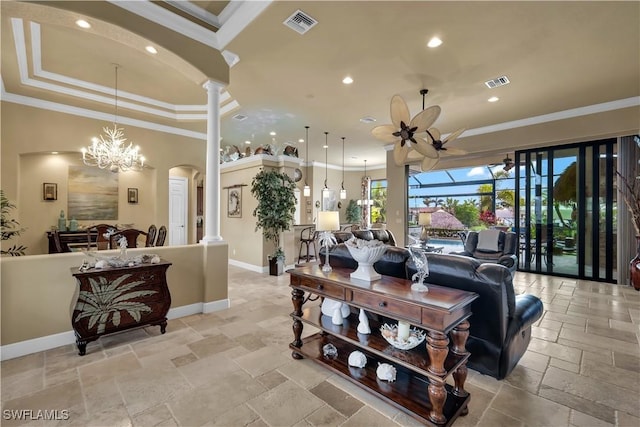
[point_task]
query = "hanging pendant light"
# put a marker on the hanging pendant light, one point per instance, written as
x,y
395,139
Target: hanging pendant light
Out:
x,y
112,151
325,190
343,192
306,191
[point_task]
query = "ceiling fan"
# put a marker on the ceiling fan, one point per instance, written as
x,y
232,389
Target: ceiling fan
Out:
x,y
436,145
507,164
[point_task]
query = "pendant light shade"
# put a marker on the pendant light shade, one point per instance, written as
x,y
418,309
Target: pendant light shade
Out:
x,y
325,190
306,191
343,192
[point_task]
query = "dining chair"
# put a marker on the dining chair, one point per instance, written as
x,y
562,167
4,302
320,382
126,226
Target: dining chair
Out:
x,y
58,244
162,235
151,236
102,239
131,234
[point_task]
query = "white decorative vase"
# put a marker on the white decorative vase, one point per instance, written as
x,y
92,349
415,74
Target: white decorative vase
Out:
x,y
363,326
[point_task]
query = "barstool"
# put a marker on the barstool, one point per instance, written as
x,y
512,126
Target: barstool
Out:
x,y
307,238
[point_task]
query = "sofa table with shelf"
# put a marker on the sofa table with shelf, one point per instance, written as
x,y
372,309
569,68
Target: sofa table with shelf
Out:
x,y
114,299
420,388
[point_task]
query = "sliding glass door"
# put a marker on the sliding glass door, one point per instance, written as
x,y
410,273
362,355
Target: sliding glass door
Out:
x,y
566,206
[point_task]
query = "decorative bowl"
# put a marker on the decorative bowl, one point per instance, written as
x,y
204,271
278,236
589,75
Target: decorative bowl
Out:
x,y
366,253
390,333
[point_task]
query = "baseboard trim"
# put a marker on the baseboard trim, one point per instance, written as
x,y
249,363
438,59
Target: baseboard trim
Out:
x,y
22,348
250,267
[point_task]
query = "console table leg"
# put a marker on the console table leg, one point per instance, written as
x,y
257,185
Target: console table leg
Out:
x,y
459,336
438,348
297,297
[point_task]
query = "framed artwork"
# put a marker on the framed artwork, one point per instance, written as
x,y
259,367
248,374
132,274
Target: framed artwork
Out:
x,y
93,194
132,195
329,200
234,203
49,191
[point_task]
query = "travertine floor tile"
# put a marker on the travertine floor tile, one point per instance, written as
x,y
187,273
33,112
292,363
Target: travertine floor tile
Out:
x,y
285,405
326,416
527,407
149,387
493,418
369,417
337,399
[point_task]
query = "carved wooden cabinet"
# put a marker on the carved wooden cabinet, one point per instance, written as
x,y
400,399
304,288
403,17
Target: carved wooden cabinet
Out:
x,y
420,388
113,299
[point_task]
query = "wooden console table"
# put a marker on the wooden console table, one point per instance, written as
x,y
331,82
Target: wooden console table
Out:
x,y
109,300
420,388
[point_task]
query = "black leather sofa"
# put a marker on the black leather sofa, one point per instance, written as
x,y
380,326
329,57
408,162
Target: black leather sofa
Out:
x,y
501,322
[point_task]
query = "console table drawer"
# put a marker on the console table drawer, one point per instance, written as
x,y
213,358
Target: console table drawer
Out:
x,y
322,288
385,305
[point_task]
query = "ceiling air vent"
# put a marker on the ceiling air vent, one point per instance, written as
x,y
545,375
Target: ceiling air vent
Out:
x,y
500,81
239,117
300,22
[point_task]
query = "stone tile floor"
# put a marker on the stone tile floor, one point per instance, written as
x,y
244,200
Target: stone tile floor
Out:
x,y
233,368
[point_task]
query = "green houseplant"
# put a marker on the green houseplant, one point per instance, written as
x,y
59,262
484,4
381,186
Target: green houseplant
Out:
x,y
276,207
9,227
352,212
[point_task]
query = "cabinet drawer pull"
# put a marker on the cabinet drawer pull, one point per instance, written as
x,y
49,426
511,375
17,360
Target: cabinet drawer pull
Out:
x,y
382,304
320,287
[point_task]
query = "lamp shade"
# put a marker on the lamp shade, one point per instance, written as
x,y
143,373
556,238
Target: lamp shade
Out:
x,y
424,219
328,221
306,191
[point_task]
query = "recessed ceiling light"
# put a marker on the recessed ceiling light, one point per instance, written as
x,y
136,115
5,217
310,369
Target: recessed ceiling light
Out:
x,y
82,23
434,42
347,80
368,119
247,142
272,133
493,99
301,140
151,49
54,152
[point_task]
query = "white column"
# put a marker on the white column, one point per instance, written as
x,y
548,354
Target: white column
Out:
x,y
212,187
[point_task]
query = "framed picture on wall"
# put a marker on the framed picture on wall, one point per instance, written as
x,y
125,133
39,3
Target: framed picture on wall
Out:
x,y
234,203
132,195
49,191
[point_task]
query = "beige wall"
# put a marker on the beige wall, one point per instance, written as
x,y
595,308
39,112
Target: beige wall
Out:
x,y
37,291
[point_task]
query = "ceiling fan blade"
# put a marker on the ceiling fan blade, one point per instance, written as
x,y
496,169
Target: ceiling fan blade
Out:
x,y
425,148
400,153
399,111
385,133
454,135
435,133
425,118
453,151
428,164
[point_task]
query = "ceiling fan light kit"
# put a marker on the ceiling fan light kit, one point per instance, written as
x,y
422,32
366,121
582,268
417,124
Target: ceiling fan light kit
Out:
x,y
403,133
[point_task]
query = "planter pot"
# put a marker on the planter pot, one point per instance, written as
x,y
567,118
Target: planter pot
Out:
x,y
276,266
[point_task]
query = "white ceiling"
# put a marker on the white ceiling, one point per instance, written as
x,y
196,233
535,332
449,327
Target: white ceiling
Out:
x,y
565,60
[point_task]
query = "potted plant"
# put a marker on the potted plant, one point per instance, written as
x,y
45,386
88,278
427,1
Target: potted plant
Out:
x,y
275,210
9,227
352,212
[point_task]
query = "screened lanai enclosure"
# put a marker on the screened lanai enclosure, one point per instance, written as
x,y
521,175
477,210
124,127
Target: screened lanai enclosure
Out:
x,y
560,200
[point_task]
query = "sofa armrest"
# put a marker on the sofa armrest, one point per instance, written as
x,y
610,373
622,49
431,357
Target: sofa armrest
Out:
x,y
509,261
528,310
463,253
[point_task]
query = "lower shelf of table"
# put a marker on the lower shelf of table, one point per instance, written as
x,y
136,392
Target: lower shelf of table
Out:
x,y
408,393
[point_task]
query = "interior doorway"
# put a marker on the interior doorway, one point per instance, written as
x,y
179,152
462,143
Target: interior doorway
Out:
x,y
178,210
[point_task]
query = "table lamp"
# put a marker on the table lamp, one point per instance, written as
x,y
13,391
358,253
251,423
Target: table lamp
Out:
x,y
328,221
424,219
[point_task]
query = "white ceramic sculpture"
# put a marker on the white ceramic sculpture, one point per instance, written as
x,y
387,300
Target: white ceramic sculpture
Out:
x,y
386,372
363,326
357,359
329,305
366,253
336,319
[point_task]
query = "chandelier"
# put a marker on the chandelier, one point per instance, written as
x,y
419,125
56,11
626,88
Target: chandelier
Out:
x,y
111,150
